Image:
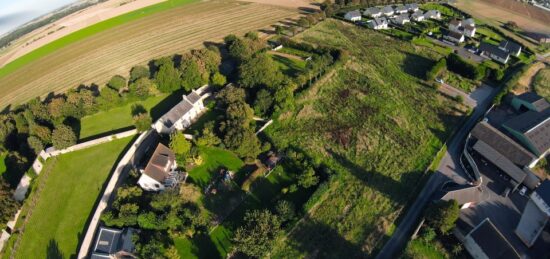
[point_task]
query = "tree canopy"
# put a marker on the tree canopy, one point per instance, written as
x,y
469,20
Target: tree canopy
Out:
x,y
255,237
63,136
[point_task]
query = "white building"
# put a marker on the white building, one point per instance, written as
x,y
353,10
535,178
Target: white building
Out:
x,y
388,10
417,16
469,30
401,9
412,7
160,172
373,12
181,115
511,47
353,16
113,243
433,14
454,25
378,23
454,37
535,215
494,52
469,21
401,19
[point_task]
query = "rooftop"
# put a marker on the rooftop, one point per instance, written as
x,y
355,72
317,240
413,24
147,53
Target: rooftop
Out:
x,y
535,126
510,46
538,101
500,161
159,160
492,242
354,13
493,49
455,34
544,191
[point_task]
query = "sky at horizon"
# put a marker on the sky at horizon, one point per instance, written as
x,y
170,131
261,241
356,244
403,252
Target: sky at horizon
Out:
x,y
14,13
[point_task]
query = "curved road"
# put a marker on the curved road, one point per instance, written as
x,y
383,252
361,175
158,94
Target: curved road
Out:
x,y
449,168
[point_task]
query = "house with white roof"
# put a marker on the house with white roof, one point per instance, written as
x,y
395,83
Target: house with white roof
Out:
x,y
181,115
378,23
412,7
353,16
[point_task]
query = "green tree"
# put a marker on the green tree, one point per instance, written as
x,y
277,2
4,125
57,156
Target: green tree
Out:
x,y
442,215
42,132
108,97
218,80
255,238
180,145
8,206
231,94
142,121
35,144
117,82
191,76
261,70
263,103
7,128
286,211
56,107
303,22
168,78
63,136
308,178
208,137
141,87
280,30
149,220
138,72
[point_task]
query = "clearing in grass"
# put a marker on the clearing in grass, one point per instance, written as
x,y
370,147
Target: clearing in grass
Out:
x,y
377,125
67,201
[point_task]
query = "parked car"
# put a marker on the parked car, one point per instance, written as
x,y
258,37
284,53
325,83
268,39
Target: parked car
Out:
x,y
522,191
439,80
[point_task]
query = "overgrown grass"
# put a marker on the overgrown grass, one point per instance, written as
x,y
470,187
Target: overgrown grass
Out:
x,y
378,125
89,31
452,79
420,249
67,201
118,118
541,84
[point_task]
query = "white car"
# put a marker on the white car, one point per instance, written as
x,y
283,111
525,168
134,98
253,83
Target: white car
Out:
x,y
439,80
522,191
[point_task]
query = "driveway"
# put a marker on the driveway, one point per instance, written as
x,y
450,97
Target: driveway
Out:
x,y
449,168
460,51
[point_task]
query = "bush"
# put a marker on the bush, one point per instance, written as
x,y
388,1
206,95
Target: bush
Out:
x,y
63,137
456,64
442,215
117,82
142,122
436,69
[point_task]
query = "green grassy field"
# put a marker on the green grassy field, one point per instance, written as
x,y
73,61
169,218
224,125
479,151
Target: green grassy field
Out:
x,y
213,160
121,117
421,249
378,125
89,31
290,67
541,84
2,162
67,200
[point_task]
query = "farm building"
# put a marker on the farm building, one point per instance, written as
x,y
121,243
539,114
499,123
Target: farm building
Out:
x,y
353,16
412,7
535,215
373,12
113,243
494,52
454,37
181,115
388,10
511,47
529,101
401,9
532,129
401,19
486,241
417,16
161,170
432,14
378,23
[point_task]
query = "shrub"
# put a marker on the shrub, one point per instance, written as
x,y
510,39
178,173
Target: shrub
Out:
x,y
458,65
63,136
442,215
117,82
436,69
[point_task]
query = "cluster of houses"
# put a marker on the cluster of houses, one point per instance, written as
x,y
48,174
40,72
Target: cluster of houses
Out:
x,y
459,29
399,15
513,145
500,53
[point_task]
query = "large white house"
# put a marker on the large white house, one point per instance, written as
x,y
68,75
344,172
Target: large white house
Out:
x,y
181,115
454,37
160,172
469,30
378,23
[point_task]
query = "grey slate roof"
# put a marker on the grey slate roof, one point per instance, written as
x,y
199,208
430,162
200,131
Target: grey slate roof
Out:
x,y
454,34
110,241
500,161
535,126
372,10
176,113
354,13
544,191
493,49
492,242
401,8
387,9
160,158
431,13
193,97
538,101
412,6
503,144
510,46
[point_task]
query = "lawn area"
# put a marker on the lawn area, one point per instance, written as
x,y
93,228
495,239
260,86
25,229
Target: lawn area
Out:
x,y
427,43
69,195
296,52
485,31
213,160
289,66
89,31
3,162
121,117
452,79
377,125
541,84
419,248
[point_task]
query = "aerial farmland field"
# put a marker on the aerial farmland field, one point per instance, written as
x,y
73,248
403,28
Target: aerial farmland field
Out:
x,y
114,51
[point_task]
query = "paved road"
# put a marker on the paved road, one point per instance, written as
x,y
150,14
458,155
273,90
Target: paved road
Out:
x,y
453,92
460,51
449,168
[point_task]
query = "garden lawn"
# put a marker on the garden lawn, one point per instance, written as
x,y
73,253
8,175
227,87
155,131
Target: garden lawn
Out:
x,y
89,31
3,162
289,66
114,119
377,125
541,84
212,160
67,200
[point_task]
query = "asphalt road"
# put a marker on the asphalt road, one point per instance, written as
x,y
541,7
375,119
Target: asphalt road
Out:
x,y
460,51
449,168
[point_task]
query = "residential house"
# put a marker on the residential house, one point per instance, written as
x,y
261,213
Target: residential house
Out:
x,y
454,37
469,21
494,52
529,101
485,241
160,172
532,129
535,215
113,243
454,25
353,16
388,10
511,47
412,7
401,19
401,9
469,30
417,16
378,23
432,14
373,12
181,115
